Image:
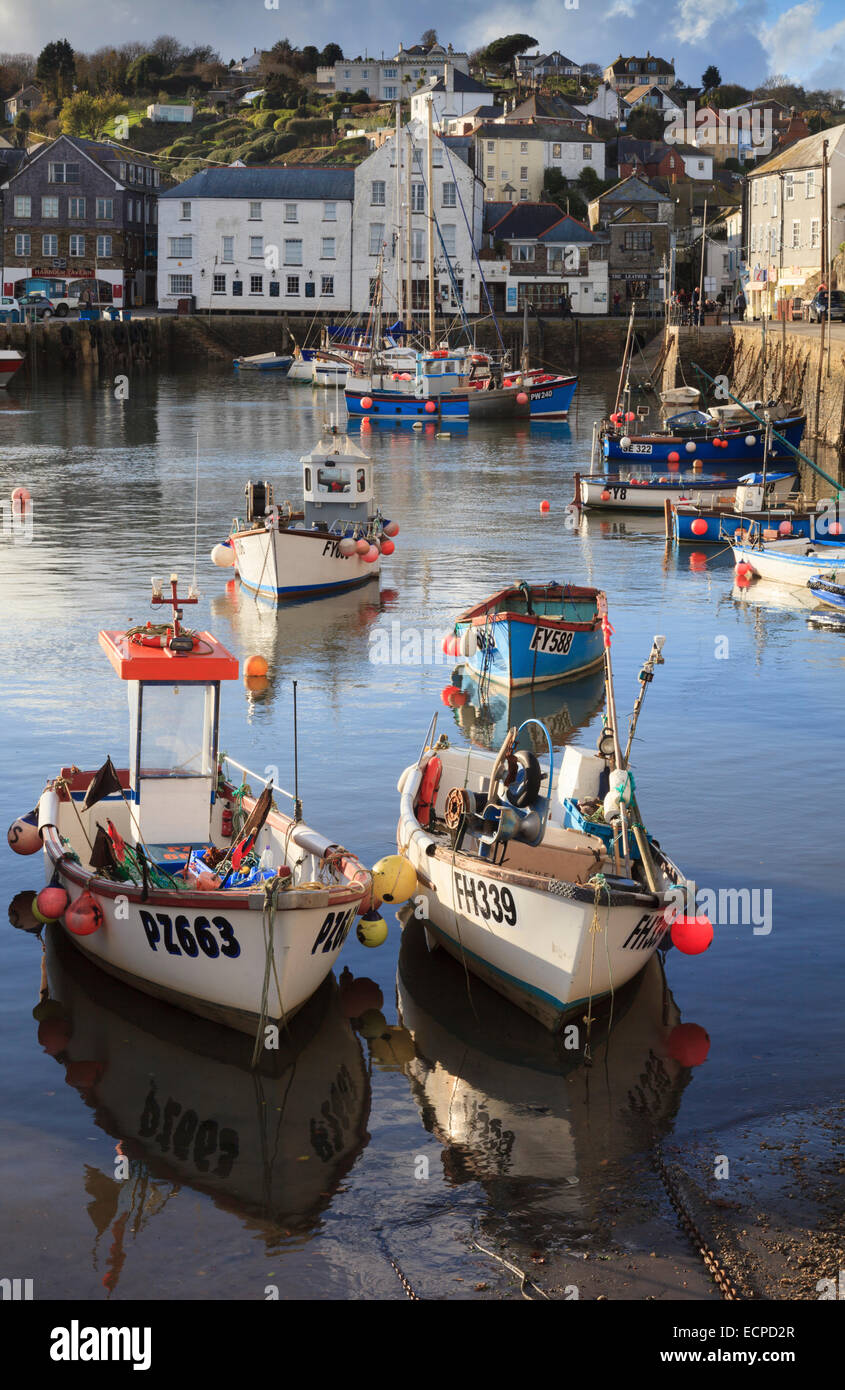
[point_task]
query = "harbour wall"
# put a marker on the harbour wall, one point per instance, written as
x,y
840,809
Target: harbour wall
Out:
x,y
61,345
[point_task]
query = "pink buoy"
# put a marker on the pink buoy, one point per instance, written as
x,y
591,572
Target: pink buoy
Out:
x,y
521,398
51,903
392,528
366,402
20,497
430,407
84,916
362,546
785,528
835,528
699,526
371,555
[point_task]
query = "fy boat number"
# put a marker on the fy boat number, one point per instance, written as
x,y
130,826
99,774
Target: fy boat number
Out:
x,y
552,640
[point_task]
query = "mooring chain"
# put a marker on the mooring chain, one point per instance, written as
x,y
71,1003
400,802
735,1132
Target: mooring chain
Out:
x,y
728,1288
410,1292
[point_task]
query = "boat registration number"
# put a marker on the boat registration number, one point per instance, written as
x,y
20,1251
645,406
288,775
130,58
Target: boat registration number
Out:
x,y
646,933
334,930
490,901
541,395
214,938
640,448
552,640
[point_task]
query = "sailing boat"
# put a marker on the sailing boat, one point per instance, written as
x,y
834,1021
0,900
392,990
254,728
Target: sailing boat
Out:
x,y
455,384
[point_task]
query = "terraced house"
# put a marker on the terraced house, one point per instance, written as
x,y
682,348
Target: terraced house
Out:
x,y
84,210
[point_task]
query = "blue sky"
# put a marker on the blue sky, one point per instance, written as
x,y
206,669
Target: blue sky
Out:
x,y
745,38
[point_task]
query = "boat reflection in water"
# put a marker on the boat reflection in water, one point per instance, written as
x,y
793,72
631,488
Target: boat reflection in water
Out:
x,y
484,714
186,1109
514,1109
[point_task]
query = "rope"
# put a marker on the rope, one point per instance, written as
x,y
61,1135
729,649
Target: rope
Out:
x,y
526,1282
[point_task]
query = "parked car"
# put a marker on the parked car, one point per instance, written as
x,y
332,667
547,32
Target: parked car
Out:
x,y
9,306
818,305
37,300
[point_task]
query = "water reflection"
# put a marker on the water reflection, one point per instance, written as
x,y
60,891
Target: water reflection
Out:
x,y
484,714
177,1094
517,1111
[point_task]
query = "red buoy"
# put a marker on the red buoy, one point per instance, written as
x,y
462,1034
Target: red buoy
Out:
x,y
699,526
545,506
366,402
84,916
521,398
605,497
51,903
430,407
387,547
692,935
674,456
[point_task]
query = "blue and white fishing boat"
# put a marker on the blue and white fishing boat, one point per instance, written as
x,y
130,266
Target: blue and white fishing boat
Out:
x,y
790,561
829,593
708,437
264,362
532,634
638,492
447,384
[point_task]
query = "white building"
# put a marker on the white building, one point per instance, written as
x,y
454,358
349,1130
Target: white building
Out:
x,y
605,104
256,240
453,95
380,224
159,112
535,67
390,79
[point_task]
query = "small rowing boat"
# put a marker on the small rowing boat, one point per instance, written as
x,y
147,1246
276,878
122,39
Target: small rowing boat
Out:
x,y
264,362
531,634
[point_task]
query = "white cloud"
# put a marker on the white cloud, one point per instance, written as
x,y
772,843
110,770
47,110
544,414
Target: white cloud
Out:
x,y
798,46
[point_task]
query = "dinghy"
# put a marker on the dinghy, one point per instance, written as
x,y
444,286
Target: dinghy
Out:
x,y
788,561
532,634
334,542
264,362
170,873
521,881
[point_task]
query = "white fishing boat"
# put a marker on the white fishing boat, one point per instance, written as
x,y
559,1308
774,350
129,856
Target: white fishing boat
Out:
x,y
10,363
334,542
169,873
264,362
329,371
550,903
618,492
788,561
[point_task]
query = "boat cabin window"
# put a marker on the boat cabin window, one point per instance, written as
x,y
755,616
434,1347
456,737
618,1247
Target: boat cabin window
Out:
x,y
177,730
333,480
362,480
308,480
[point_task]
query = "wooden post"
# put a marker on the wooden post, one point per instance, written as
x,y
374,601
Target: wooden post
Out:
x,y
667,517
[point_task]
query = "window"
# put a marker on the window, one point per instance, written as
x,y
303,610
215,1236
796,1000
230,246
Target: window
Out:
x,y
22,244
77,245
149,175
292,284
376,237
291,212
228,250
256,247
764,191
523,195
365,72
491,171
391,93
811,183
586,151
789,187
417,197
523,171
63,173
437,153
121,172
522,253
218,284
796,234
105,209
754,193
180,284
329,212
185,213
104,246
76,208
449,233
327,248
293,253
523,148
450,195
390,72
377,193
491,145
180,247
418,244
274,289
49,207
815,238
638,239
255,212
256,284
49,245
23,207
327,285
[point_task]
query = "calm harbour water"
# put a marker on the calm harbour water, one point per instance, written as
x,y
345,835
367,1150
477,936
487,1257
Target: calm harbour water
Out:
x,y
739,730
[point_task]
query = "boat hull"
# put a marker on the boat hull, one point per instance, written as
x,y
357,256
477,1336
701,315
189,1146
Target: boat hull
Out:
x,y
721,525
545,400
793,568
10,363
655,449
515,651
643,495
291,564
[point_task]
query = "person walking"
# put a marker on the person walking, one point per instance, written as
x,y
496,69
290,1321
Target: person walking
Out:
x,y
740,306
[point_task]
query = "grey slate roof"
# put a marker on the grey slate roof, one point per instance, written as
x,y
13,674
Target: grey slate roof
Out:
x,y
461,83
272,181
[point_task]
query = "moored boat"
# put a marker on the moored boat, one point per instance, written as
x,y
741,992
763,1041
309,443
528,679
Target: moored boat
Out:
x,y
532,634
264,362
632,492
334,542
713,436
10,363
833,595
169,873
790,561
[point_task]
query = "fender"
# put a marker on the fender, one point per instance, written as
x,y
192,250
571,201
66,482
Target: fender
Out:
x,y
428,790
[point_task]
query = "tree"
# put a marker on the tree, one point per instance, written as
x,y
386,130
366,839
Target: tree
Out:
x,y
501,52
56,68
556,189
144,73
331,54
591,69
727,95
83,114
169,50
310,58
646,123
429,38
22,125
711,77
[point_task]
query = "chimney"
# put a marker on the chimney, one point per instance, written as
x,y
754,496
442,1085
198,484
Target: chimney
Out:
x,y
448,77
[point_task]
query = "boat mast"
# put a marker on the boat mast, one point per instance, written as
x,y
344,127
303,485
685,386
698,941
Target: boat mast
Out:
x,y
409,241
523,362
397,216
430,181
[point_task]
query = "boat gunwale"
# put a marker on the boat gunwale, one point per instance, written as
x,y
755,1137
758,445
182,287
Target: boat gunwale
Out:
x,y
480,614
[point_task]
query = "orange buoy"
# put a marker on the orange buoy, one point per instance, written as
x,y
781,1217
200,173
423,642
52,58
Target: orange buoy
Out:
x,y
23,834
256,666
84,916
674,457
545,506
366,402
362,546
605,497
430,407
387,547
699,526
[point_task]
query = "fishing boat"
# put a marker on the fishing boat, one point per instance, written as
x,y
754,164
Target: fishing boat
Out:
x,y
708,436
532,634
302,367
549,905
334,542
10,363
638,492
170,873
833,595
789,561
264,362
698,523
